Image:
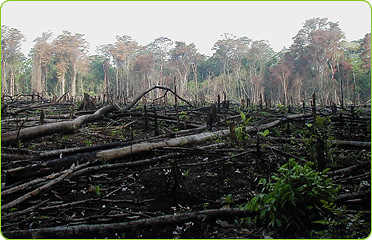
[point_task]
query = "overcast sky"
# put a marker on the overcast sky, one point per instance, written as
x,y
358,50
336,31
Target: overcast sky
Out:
x,y
197,22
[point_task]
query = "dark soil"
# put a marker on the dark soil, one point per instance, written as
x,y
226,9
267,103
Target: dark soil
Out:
x,y
194,180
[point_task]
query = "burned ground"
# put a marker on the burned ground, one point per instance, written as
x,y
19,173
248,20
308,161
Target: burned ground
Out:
x,y
220,173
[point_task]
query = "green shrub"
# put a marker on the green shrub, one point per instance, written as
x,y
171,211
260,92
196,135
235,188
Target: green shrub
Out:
x,y
295,198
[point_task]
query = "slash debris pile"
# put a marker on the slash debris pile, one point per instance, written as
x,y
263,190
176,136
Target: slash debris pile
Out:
x,y
156,170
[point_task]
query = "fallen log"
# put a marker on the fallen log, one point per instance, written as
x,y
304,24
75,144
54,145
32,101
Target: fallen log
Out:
x,y
47,129
348,169
102,229
27,184
38,190
68,126
339,143
38,106
22,173
353,195
180,141
37,170
138,163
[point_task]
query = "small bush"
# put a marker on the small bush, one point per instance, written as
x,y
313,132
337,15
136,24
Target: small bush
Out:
x,y
295,198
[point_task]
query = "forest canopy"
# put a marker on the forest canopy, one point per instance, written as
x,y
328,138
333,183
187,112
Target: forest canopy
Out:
x,y
319,60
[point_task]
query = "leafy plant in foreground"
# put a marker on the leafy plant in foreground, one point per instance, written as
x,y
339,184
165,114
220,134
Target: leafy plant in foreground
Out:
x,y
295,198
342,224
240,132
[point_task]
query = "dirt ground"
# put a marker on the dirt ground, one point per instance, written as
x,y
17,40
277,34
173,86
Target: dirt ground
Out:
x,y
220,173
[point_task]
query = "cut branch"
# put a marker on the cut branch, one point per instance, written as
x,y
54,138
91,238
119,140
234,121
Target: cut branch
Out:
x,y
117,153
81,230
38,190
149,90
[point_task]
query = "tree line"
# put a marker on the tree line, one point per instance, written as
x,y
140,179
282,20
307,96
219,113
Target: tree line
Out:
x,y
319,60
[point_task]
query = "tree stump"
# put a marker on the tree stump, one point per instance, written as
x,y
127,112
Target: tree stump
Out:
x,y
212,115
87,103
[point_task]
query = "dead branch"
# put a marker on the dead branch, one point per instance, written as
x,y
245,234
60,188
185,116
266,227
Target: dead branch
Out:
x,y
348,169
117,153
47,129
22,212
81,230
339,143
28,184
68,126
353,195
180,141
38,190
149,90
37,106
41,169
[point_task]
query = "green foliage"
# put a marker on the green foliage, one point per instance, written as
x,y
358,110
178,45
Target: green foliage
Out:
x,y
240,132
20,144
103,161
282,108
97,190
186,173
205,205
241,135
294,198
183,116
88,142
264,133
342,224
320,130
65,138
228,199
245,120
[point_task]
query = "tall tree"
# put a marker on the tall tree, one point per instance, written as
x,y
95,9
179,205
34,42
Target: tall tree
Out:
x,y
41,57
182,57
11,40
161,47
257,63
317,50
282,71
69,49
230,52
124,52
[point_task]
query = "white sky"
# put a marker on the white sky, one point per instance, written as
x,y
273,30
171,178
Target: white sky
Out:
x,y
200,22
